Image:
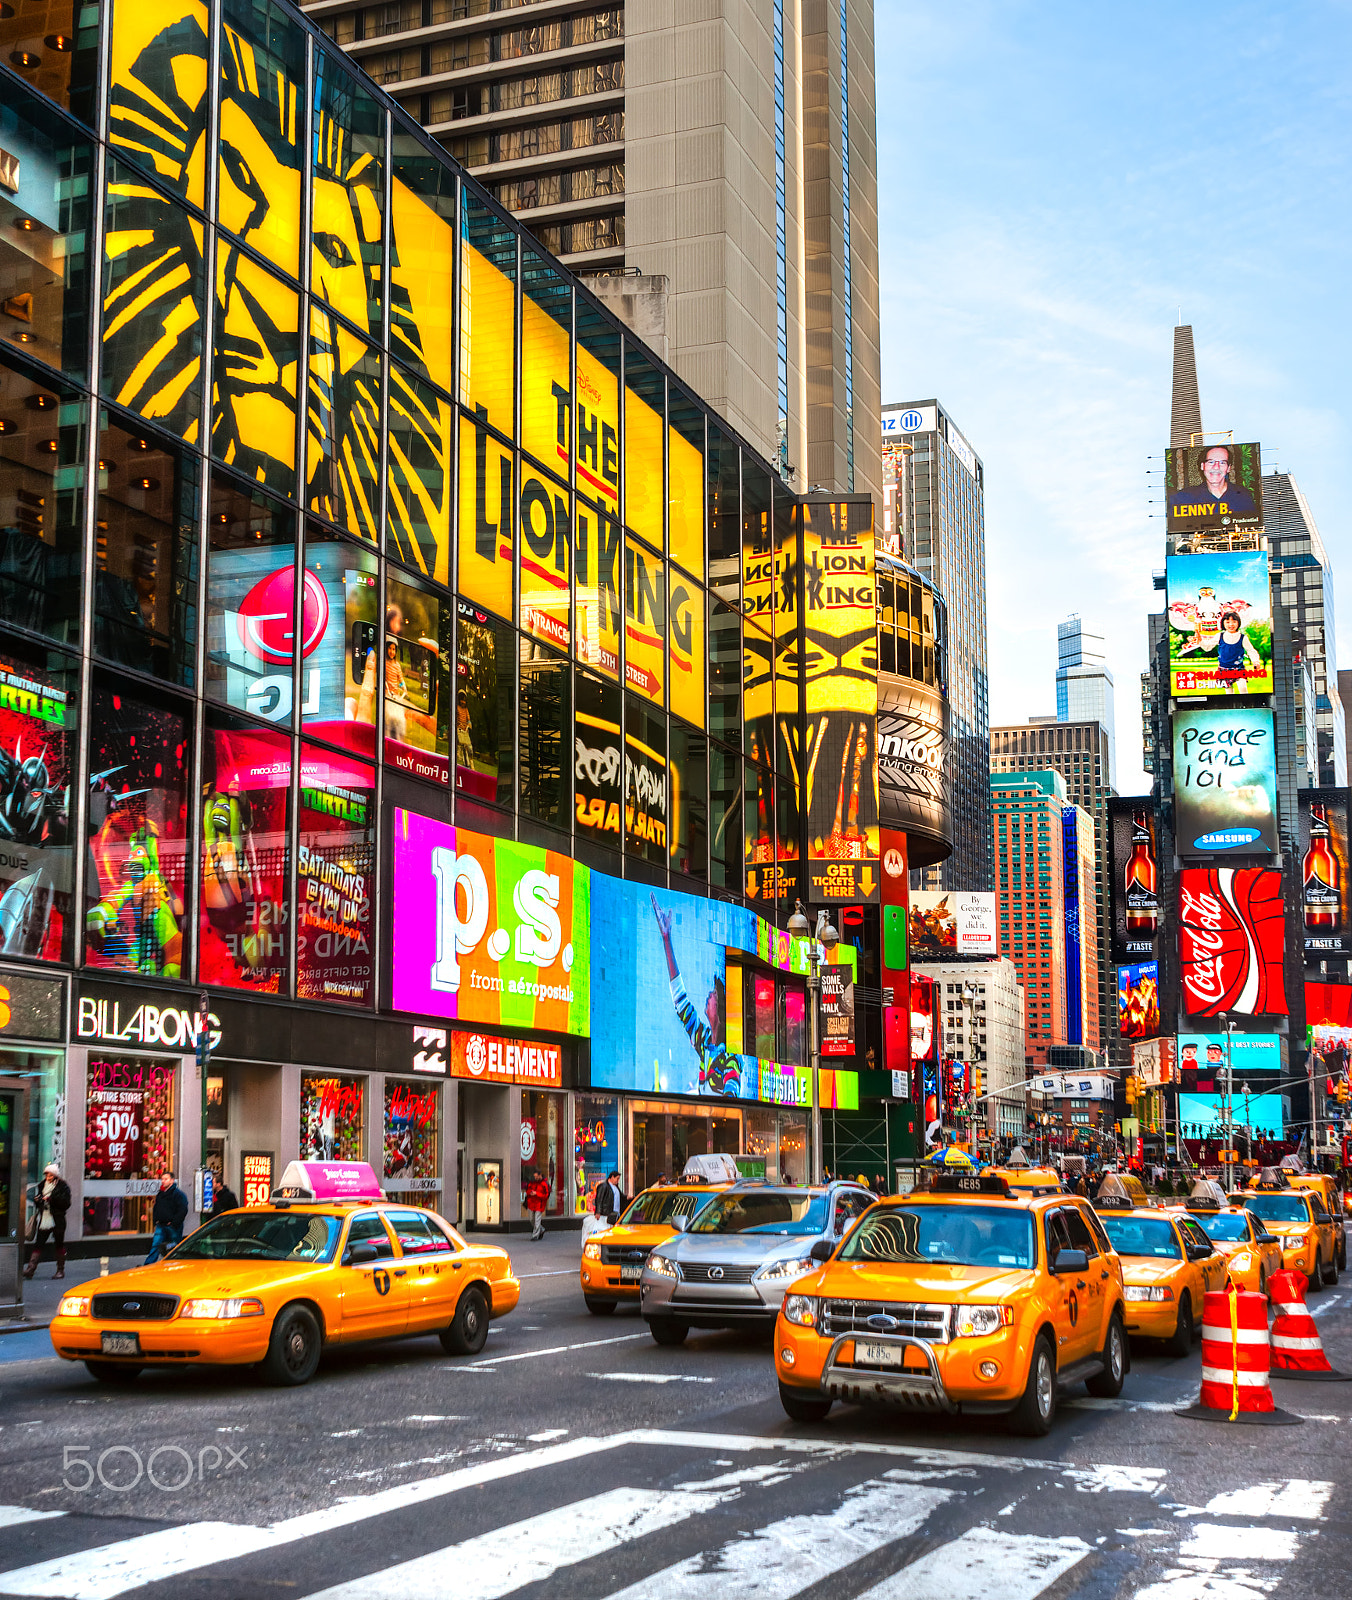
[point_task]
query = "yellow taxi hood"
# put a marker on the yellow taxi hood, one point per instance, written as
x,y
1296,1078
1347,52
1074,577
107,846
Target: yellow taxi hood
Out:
x,y
1285,1229
1145,1270
202,1279
634,1233
909,1281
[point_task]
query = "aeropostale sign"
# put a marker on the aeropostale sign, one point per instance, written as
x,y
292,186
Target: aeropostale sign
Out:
x,y
485,1058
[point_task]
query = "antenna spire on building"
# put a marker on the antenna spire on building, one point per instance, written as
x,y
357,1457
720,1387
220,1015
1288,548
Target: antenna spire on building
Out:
x,y
1186,418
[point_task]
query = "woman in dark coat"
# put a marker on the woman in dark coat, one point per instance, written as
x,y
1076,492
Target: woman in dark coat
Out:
x,y
52,1202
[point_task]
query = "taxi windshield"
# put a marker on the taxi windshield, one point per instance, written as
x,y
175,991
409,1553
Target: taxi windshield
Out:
x,y
262,1236
960,1235
1222,1227
1277,1207
662,1206
785,1211
1143,1236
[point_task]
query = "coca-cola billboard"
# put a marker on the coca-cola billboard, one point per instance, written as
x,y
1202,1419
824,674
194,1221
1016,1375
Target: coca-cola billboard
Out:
x,y
1232,940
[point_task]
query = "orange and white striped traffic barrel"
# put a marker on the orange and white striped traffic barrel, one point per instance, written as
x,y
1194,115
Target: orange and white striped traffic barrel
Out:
x,y
1236,1357
1297,1350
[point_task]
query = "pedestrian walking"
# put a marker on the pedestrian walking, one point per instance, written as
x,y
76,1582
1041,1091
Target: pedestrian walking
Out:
x,y
223,1200
610,1199
50,1205
537,1198
168,1215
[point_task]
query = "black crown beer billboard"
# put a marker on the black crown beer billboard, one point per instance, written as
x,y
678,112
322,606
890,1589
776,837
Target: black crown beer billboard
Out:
x,y
1326,917
1134,847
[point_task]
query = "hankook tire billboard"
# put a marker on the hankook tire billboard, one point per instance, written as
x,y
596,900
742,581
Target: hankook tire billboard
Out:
x,y
913,792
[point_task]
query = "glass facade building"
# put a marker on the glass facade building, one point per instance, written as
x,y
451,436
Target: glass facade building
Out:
x,y
325,493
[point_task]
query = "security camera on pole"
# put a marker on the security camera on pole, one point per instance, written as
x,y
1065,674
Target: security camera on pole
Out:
x,y
819,947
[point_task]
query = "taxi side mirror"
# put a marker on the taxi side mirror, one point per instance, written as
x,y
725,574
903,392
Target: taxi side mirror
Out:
x,y
1198,1252
358,1255
680,1223
1070,1261
821,1250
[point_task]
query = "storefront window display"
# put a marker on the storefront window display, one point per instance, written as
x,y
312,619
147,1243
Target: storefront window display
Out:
x,y
251,601
340,657
545,1149
596,1143
140,747
663,1137
544,716
335,878
332,1118
778,1139
412,1160
246,823
598,762
420,439
417,666
485,684
128,1140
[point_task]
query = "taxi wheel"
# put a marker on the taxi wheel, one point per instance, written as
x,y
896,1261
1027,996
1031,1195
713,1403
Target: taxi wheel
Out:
x,y
468,1332
1181,1343
1342,1249
1035,1413
294,1348
1107,1385
1331,1271
800,1407
599,1308
666,1330
112,1372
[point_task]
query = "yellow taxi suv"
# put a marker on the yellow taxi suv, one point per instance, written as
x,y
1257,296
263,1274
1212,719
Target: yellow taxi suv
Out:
x,y
1252,1254
963,1298
276,1284
1168,1264
1322,1184
1305,1229
612,1262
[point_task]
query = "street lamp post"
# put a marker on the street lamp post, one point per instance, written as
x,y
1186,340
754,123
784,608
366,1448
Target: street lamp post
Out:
x,y
1228,1106
818,946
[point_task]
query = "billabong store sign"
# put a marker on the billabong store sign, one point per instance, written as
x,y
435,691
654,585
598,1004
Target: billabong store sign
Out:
x,y
149,1021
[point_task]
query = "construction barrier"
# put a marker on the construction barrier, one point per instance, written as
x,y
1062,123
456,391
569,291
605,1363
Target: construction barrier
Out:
x,y
1236,1358
1297,1350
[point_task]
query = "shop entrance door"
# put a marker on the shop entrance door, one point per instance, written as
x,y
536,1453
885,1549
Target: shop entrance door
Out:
x,y
13,1193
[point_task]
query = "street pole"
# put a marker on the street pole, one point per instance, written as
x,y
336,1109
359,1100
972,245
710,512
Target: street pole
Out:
x,y
820,943
1228,1113
203,1186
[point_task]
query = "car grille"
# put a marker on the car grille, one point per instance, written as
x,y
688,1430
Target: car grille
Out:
x,y
712,1272
917,1321
134,1307
614,1255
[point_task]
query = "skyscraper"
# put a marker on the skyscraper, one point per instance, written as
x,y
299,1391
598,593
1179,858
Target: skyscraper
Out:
x,y
939,523
712,169
1029,863
1084,683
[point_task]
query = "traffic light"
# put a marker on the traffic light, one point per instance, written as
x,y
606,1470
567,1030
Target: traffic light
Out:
x,y
978,1081
1129,1088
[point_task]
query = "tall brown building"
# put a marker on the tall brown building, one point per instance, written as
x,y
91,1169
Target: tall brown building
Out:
x,y
1030,900
714,161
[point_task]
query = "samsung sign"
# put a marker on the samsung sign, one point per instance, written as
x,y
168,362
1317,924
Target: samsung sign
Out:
x,y
915,419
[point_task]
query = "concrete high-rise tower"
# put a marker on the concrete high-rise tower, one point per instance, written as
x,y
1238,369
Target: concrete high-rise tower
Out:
x,y
1186,415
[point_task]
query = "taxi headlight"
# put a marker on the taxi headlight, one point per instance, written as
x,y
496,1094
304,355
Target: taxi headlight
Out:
x,y
222,1310
1154,1291
786,1269
971,1322
592,1250
1241,1259
74,1305
663,1267
801,1309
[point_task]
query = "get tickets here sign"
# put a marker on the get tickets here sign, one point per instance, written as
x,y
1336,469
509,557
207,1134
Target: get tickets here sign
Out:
x,y
489,931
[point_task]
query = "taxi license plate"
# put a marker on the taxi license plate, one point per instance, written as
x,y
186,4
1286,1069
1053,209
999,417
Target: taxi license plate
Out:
x,y
631,1274
120,1344
866,1353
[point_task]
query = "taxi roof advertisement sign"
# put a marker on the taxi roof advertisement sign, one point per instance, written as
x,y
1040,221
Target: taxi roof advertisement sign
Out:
x,y
1225,781
1220,623
1213,486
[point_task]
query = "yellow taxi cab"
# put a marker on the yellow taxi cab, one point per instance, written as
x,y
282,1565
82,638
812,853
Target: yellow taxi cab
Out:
x,y
1121,1191
1168,1264
327,1261
1030,1180
962,1297
1252,1254
612,1261
1299,1219
1322,1184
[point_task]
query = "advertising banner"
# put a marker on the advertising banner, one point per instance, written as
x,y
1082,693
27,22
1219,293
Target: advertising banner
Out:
x,y
113,1133
1220,623
1153,1062
486,1058
489,931
1138,1000
255,1173
913,793
1225,781
335,878
129,1111
1328,1003
1209,487
836,1004
922,1017
839,776
1326,904
1135,856
951,922
1202,1056
1232,940
1330,1050
1201,1115
412,1127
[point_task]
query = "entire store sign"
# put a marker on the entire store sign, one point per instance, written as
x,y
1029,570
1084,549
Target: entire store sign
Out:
x,y
1232,940
486,930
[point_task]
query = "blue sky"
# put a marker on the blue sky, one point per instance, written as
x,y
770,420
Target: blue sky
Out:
x,y
1055,182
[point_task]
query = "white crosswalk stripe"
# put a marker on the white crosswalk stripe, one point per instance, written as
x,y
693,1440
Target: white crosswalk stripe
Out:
x,y
1016,1566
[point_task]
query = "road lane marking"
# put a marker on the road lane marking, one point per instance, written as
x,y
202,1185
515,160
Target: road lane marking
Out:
x,y
1325,1305
1294,1497
563,1272
647,1377
13,1516
1213,1541
786,1557
494,1564
530,1355
1016,1566
548,1434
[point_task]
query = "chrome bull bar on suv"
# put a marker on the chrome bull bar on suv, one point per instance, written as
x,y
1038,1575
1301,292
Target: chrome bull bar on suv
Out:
x,y
887,1385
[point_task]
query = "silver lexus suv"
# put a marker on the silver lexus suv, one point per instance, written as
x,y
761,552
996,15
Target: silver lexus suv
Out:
x,y
732,1264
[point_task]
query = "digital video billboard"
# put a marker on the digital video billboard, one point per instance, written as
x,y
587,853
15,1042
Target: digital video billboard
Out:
x,y
1325,897
1262,1113
1215,486
1220,623
1225,781
951,922
1202,1056
1138,1000
1134,849
1232,940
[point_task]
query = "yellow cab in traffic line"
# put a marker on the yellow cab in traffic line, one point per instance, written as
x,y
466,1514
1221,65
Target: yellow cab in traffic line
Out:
x,y
327,1261
1309,1235
1322,1184
612,1260
1252,1254
962,1297
1168,1264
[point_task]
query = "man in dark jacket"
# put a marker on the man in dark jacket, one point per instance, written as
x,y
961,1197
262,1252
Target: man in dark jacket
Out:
x,y
171,1208
223,1199
609,1200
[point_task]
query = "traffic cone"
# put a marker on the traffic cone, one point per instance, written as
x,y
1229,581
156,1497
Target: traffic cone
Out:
x,y
1235,1362
1297,1350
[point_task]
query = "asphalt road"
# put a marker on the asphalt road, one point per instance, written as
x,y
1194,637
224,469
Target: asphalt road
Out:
x,y
575,1458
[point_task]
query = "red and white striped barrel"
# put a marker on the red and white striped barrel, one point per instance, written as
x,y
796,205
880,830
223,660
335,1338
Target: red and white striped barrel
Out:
x,y
1239,1355
1296,1345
